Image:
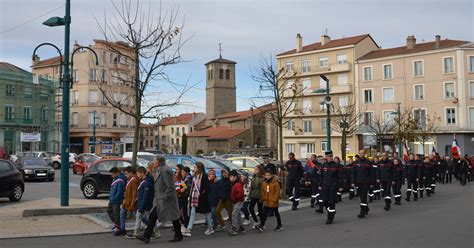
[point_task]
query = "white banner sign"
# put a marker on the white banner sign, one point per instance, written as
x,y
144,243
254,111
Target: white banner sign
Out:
x,y
30,137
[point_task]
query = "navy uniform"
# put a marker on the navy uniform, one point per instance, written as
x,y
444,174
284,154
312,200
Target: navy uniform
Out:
x,y
436,172
443,167
315,178
412,173
398,178
342,175
428,176
385,177
421,183
330,183
374,192
347,180
362,177
295,173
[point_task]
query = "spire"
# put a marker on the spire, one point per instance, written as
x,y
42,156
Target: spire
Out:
x,y
220,50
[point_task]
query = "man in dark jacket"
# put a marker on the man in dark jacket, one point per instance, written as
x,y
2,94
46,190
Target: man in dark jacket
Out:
x,y
449,170
314,179
362,178
330,184
413,174
428,175
443,167
348,178
268,166
385,178
295,173
421,183
398,179
145,194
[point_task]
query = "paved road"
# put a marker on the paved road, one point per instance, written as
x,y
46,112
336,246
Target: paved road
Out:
x,y
444,220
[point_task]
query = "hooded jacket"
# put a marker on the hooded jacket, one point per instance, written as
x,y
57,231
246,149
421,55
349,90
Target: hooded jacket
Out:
x,y
271,192
237,193
129,201
224,186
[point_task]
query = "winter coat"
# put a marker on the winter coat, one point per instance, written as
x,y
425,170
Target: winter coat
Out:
x,y
362,171
295,169
256,187
166,200
224,186
204,206
270,167
129,201
385,170
146,193
117,190
213,194
237,193
398,173
270,192
331,175
412,170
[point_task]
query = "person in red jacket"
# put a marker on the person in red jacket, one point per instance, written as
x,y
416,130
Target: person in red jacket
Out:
x,y
237,198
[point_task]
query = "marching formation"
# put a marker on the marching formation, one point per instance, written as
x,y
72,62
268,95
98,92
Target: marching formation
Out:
x,y
159,193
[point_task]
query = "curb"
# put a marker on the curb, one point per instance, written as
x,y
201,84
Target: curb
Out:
x,y
62,211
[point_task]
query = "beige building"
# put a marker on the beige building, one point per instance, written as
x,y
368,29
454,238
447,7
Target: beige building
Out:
x,y
172,128
306,132
431,78
114,129
148,137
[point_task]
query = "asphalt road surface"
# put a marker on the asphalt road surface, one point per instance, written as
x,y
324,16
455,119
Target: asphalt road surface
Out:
x,y
444,220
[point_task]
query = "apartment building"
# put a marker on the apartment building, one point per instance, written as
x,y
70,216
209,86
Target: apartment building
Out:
x,y
306,132
172,128
433,79
88,105
148,137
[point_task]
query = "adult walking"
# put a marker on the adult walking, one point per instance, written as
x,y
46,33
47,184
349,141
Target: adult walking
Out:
x,y
255,194
362,177
330,184
385,178
267,165
295,173
165,203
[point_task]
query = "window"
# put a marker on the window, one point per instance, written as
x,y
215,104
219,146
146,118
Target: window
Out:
x,y
388,95
75,97
310,148
27,114
342,79
227,74
366,119
114,119
388,117
289,89
322,84
103,119
305,66
105,166
448,65
92,75
103,76
420,118
172,130
343,101
123,120
290,148
75,76
471,63
417,68
115,77
449,90
307,126
307,108
289,66
10,90
9,113
306,86
322,107
324,145
323,123
471,89
291,125
450,116
341,58
291,106
368,96
91,118
75,119
28,92
323,62
44,114
92,96
44,94
184,131
36,79
387,72
419,92
367,73
5,167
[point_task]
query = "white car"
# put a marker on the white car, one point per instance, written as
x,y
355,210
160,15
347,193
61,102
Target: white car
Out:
x,y
56,160
148,156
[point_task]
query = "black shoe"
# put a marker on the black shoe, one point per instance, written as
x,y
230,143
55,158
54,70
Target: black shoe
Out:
x,y
361,215
279,228
407,199
328,221
371,199
294,207
312,205
146,240
120,233
416,199
176,239
319,210
387,207
259,228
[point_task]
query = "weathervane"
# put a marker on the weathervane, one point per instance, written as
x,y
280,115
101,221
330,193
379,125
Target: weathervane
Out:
x,y
220,50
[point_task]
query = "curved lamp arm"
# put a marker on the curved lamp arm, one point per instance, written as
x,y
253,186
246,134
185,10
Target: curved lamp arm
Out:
x,y
60,57
72,59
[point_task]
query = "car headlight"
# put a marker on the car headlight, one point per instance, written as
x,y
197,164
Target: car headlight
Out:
x,y
28,172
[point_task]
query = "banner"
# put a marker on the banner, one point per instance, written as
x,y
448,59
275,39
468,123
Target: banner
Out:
x,y
30,137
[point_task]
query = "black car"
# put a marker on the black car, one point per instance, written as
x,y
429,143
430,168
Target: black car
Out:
x,y
97,179
11,181
37,169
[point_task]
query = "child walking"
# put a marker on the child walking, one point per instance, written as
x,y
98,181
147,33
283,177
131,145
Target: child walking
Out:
x,y
270,197
237,198
115,198
129,204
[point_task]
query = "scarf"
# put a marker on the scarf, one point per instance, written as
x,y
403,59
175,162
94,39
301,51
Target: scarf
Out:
x,y
196,191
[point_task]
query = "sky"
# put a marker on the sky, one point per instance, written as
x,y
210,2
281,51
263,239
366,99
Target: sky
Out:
x,y
247,30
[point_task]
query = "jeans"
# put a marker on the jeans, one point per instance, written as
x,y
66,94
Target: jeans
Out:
x,y
123,218
245,210
152,222
141,217
113,210
236,216
192,218
253,202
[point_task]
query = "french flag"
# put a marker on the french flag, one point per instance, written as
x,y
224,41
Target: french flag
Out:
x,y
455,149
405,152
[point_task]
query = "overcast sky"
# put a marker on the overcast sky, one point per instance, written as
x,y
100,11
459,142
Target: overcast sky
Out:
x,y
247,29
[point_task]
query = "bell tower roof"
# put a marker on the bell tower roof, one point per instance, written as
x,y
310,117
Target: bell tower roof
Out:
x,y
221,61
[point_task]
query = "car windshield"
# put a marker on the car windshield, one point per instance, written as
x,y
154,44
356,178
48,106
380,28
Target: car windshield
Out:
x,y
227,163
148,158
34,162
208,164
30,155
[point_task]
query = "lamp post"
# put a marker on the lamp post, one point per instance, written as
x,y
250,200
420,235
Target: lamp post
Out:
x,y
94,137
158,135
327,100
399,130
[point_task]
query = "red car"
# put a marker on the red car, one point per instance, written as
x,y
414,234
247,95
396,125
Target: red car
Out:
x,y
83,161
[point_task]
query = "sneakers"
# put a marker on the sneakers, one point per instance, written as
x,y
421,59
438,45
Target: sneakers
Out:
x,y
233,232
187,233
259,228
246,222
132,236
279,228
220,228
120,232
209,231
241,229
183,229
156,235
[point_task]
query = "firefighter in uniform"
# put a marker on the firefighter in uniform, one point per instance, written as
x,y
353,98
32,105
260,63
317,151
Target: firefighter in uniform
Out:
x,y
330,184
412,173
362,178
421,184
434,160
385,179
374,193
398,179
295,173
339,193
347,178
443,167
428,175
314,179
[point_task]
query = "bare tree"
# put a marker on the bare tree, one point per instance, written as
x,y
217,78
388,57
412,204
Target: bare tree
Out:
x,y
149,45
407,126
345,120
426,126
381,128
280,87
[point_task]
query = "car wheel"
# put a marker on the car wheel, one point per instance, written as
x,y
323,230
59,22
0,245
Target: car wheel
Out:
x,y
17,193
56,165
74,171
89,189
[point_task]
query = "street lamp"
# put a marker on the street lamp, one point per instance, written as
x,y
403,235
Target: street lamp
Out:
x,y
327,102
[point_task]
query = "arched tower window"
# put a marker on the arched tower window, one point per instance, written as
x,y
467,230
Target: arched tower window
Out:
x,y
227,74
209,74
221,73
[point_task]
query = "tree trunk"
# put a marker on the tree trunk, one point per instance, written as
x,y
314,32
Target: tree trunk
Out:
x,y
343,145
280,156
137,117
380,144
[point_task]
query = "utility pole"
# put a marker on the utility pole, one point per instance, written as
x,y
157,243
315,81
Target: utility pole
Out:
x,y
327,102
94,142
400,152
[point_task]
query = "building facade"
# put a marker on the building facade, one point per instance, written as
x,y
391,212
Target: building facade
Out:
x,y
93,85
220,87
27,111
172,128
434,80
306,132
148,137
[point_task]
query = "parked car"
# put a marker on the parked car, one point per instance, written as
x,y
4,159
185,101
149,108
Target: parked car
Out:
x,y
56,160
189,161
83,161
143,155
97,179
37,169
12,185
47,156
246,163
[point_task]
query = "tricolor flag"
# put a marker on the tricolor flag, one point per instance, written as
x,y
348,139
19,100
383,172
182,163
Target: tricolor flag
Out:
x,y
433,151
405,152
455,149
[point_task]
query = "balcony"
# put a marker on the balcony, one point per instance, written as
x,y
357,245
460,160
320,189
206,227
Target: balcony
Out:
x,y
332,68
337,89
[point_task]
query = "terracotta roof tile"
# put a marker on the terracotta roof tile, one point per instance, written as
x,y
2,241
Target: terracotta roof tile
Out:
x,y
222,132
421,47
241,115
177,120
48,62
333,43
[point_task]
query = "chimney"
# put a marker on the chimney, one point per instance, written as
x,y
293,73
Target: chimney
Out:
x,y
411,42
75,46
437,41
299,43
35,59
325,39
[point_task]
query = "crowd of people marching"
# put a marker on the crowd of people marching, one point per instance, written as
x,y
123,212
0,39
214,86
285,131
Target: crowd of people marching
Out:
x,y
177,195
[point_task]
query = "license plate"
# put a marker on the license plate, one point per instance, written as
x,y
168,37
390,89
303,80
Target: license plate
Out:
x,y
41,174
